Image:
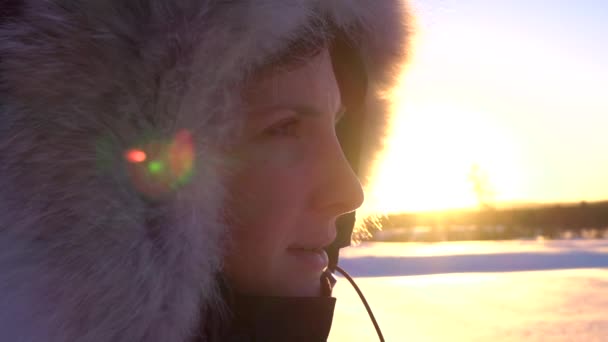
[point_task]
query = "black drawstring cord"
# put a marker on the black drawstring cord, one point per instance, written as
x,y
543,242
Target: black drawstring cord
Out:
x,y
369,310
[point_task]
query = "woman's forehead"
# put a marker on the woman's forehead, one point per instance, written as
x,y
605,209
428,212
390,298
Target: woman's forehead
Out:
x,y
311,84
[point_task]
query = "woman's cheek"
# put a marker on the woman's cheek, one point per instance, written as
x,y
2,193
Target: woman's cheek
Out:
x,y
279,154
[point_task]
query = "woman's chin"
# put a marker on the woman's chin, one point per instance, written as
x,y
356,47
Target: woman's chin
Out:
x,y
301,288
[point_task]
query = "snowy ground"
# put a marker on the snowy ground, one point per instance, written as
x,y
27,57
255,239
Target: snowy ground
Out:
x,y
476,291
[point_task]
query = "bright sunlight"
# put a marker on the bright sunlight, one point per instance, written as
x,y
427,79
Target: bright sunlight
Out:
x,y
432,153
517,114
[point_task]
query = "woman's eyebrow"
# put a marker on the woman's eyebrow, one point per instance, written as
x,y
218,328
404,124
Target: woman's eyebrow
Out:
x,y
340,113
301,110
311,111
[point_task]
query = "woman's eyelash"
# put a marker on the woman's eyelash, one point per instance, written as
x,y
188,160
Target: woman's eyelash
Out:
x,y
285,128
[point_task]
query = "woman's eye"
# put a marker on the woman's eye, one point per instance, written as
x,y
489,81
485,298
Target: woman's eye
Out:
x,y
286,128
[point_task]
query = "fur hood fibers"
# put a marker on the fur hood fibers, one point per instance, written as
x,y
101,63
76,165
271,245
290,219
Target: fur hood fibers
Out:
x,y
83,256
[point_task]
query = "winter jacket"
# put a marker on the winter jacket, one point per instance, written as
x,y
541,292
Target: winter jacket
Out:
x,y
83,255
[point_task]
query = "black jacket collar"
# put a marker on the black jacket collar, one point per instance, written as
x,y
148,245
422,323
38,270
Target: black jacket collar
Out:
x,y
273,318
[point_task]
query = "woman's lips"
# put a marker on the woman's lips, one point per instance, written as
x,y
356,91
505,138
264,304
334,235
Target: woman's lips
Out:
x,y
314,259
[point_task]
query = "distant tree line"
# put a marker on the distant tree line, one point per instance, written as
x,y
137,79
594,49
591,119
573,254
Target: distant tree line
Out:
x,y
589,220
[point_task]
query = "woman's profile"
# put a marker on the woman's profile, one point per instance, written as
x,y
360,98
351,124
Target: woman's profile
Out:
x,y
176,170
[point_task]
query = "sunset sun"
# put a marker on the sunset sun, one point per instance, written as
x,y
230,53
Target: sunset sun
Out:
x,y
435,155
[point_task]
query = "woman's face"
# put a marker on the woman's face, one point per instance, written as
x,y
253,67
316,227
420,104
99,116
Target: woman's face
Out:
x,y
292,183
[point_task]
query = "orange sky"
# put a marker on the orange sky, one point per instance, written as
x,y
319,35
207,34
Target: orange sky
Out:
x,y
519,89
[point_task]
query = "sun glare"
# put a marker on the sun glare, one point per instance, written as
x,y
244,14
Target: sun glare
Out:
x,y
432,152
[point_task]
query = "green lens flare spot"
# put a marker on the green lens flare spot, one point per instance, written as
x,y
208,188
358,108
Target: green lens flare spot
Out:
x,y
155,167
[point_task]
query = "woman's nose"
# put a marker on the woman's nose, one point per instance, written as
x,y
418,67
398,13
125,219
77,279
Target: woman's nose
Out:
x,y
340,191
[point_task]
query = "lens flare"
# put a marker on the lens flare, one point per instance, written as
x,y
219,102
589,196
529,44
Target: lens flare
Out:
x,y
155,167
135,155
158,167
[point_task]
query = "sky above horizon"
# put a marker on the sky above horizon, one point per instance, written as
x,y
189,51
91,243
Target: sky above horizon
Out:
x,y
510,95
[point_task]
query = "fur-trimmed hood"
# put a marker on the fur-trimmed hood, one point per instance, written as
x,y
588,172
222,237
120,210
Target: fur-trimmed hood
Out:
x,y
83,255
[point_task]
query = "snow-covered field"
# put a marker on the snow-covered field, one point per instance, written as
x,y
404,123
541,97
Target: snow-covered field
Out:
x,y
476,291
